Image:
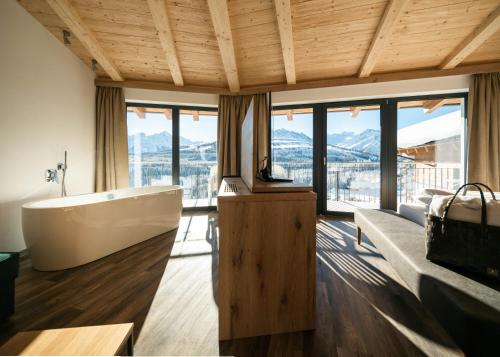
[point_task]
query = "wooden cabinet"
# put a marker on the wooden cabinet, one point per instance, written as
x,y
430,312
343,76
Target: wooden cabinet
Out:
x,y
267,261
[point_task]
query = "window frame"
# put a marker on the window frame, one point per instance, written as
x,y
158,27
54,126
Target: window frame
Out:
x,y
388,157
176,139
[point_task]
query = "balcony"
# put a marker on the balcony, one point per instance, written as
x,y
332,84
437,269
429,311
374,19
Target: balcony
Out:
x,y
357,184
199,180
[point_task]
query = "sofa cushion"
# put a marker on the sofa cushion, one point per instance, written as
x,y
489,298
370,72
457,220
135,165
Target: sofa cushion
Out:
x,y
466,306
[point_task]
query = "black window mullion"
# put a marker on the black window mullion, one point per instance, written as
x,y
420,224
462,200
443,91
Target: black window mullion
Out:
x,y
319,152
388,154
175,147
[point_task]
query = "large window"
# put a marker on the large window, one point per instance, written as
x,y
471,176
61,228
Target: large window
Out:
x,y
430,146
174,145
149,146
371,153
198,157
353,158
292,144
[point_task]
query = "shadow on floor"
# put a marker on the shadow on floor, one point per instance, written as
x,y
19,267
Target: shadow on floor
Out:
x,y
359,308
118,288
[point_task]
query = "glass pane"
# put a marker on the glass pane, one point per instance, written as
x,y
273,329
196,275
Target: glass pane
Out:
x,y
292,144
198,157
430,146
353,158
149,146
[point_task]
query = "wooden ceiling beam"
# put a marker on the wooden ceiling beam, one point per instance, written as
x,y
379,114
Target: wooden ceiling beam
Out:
x,y
222,27
355,111
161,20
68,14
384,30
168,114
431,105
284,19
324,83
140,112
473,41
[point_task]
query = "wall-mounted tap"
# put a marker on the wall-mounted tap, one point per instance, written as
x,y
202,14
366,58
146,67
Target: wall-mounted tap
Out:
x,y
52,175
63,167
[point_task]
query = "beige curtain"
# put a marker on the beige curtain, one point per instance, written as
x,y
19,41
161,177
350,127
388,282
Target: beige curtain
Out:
x,y
111,140
262,108
232,110
484,130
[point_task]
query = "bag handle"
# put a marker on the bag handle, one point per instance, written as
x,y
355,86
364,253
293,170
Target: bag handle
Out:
x,y
484,222
485,186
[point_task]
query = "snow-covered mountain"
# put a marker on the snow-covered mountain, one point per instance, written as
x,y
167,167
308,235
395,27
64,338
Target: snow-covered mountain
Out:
x,y
155,142
287,145
283,138
344,147
367,141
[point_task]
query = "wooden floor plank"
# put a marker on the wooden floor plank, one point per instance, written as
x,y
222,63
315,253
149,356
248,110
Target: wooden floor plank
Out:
x,y
167,286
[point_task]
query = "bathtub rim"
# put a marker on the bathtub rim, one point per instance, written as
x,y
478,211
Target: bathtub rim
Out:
x,y
28,205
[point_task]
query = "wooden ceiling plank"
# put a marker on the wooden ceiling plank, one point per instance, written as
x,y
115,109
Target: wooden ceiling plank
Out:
x,y
161,20
220,20
473,41
68,14
382,34
284,19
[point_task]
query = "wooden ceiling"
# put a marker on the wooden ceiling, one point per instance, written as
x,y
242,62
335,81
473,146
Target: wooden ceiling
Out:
x,y
245,46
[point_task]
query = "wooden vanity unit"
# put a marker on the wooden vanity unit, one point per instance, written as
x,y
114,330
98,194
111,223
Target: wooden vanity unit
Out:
x,y
267,258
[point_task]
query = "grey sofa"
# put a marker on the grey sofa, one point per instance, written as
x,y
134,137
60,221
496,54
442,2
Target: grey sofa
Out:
x,y
468,308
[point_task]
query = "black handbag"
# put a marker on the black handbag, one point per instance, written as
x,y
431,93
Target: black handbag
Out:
x,y
472,246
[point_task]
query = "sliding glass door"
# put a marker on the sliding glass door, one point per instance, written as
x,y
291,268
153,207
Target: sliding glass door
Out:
x,y
149,146
198,157
352,158
174,145
431,136
372,153
292,144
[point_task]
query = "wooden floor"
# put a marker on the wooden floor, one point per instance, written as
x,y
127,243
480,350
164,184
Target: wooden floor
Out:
x,y
167,287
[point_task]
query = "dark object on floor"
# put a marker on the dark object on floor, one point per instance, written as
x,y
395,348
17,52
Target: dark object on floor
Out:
x,y
9,269
472,246
468,308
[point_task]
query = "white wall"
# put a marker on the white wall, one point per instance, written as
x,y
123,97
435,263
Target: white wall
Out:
x,y
413,87
170,97
47,106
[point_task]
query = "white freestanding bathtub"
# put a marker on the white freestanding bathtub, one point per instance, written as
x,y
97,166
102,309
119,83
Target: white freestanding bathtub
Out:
x,y
67,232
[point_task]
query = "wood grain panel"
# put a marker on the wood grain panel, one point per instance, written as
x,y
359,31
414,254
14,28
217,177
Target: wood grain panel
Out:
x,y
102,340
487,52
266,265
257,42
196,43
330,38
429,30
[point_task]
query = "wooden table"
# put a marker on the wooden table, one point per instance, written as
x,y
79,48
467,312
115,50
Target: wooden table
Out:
x,y
108,340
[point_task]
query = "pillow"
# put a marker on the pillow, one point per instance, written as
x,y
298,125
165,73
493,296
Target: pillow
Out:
x,y
414,212
425,199
433,191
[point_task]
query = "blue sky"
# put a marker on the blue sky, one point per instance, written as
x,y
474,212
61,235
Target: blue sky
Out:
x,y
203,130
337,122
